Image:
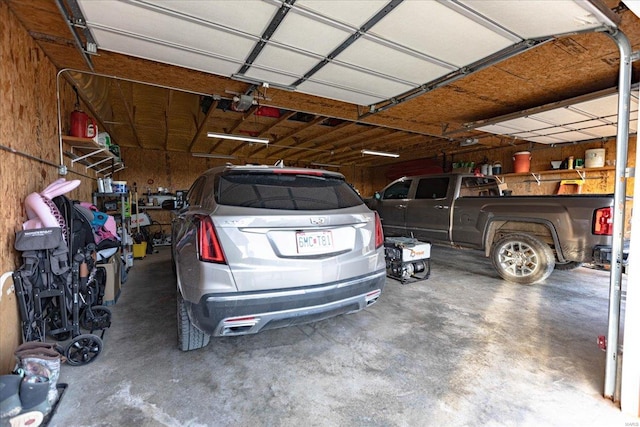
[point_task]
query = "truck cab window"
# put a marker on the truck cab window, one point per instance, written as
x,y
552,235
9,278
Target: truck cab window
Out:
x,y
432,188
399,190
478,187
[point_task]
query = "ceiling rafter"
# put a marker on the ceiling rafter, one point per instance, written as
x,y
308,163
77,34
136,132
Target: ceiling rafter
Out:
x,y
347,145
312,140
130,114
282,118
235,126
317,120
203,124
167,119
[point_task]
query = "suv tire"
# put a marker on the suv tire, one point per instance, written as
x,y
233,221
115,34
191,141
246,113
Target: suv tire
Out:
x,y
189,337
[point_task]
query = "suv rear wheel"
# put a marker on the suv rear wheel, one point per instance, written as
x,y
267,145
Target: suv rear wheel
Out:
x,y
522,258
189,337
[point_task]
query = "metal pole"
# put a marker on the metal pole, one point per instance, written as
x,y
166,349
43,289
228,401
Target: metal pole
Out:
x,y
619,197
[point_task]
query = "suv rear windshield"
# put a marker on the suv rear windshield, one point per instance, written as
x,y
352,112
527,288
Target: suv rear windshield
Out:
x,y
285,191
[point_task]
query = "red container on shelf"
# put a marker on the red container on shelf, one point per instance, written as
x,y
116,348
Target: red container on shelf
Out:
x,y
521,161
82,125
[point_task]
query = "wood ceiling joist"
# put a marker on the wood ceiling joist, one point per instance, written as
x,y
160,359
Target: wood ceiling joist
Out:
x,y
203,125
235,126
264,131
317,120
130,114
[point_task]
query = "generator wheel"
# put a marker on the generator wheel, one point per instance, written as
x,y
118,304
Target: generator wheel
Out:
x,y
83,349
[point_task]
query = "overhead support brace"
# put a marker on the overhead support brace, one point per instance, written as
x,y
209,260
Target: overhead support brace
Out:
x,y
69,21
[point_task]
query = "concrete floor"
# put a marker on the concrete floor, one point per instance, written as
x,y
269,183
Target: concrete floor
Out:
x,y
461,348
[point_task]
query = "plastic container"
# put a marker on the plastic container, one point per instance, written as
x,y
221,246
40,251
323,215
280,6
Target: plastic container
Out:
x,y
521,161
104,139
139,250
119,186
497,168
594,158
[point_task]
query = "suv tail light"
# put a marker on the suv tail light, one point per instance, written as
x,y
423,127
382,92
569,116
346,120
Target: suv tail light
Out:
x,y
209,245
603,222
379,233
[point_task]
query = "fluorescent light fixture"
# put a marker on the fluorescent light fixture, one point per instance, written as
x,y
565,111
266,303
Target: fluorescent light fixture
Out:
x,y
379,153
237,137
325,165
213,155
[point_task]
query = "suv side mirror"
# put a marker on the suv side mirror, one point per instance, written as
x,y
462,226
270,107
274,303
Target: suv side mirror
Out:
x,y
377,196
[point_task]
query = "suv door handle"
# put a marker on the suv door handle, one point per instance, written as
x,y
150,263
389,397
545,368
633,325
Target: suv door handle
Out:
x,y
401,206
441,207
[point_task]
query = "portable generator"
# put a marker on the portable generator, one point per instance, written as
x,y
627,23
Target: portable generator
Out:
x,y
407,259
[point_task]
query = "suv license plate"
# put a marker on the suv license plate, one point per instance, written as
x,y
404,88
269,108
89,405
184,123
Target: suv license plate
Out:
x,y
314,242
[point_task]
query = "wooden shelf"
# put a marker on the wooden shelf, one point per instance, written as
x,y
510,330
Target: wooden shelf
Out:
x,y
92,155
556,171
579,173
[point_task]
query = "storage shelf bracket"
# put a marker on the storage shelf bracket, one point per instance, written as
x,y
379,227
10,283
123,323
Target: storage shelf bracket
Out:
x,y
581,174
93,165
499,179
93,153
536,177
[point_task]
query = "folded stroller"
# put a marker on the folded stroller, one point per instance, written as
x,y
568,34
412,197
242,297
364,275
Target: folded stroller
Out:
x,y
59,288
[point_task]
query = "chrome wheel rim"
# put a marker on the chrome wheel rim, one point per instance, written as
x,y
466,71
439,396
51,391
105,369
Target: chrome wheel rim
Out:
x,y
518,259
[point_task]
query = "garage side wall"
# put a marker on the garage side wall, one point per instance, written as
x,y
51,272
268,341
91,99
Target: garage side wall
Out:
x,y
29,151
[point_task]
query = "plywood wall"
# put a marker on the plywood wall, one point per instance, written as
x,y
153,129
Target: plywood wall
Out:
x,y
599,181
29,154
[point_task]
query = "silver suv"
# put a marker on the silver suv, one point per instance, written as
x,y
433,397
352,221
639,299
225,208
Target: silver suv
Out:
x,y
258,247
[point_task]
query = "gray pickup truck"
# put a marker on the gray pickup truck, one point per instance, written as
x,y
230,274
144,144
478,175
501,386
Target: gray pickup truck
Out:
x,y
525,236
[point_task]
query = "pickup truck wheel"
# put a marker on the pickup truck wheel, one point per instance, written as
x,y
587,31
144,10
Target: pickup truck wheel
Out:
x,y
569,265
522,258
189,337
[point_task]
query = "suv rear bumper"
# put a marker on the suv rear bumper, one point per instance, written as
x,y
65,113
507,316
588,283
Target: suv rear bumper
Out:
x,y
249,313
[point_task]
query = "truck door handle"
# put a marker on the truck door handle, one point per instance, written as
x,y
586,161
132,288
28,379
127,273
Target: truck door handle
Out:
x,y
441,207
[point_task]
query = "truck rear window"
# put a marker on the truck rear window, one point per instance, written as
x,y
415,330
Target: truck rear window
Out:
x,y
285,191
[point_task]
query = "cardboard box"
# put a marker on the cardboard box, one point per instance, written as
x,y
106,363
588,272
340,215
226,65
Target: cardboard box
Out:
x,y
112,283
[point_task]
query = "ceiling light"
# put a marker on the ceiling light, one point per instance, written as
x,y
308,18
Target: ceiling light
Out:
x,y
213,155
379,153
237,137
325,165
468,141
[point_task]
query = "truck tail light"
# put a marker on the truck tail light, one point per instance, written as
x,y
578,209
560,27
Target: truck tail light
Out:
x,y
379,233
603,222
209,245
